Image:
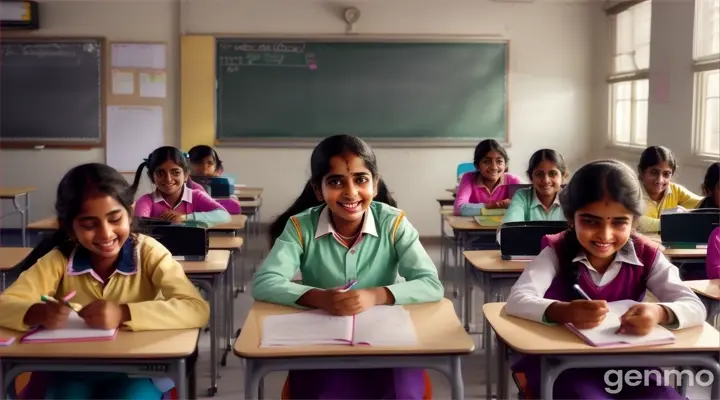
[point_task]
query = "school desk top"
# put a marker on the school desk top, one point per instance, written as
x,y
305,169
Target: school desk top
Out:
x,y
10,256
127,345
247,193
438,328
6,192
452,190
444,201
226,242
467,224
685,253
215,262
251,203
45,224
706,287
529,337
490,261
236,223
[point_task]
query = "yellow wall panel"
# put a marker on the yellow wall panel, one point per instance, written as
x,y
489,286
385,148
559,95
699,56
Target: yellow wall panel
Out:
x,y
197,91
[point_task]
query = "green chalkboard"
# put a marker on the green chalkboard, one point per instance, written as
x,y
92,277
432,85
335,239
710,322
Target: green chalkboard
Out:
x,y
403,91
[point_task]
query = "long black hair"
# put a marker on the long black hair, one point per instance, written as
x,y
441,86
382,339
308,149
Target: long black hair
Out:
x,y
199,152
547,155
654,155
594,182
711,181
156,159
77,184
320,166
485,147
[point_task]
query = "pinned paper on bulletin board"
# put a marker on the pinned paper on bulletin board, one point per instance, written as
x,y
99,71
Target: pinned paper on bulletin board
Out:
x,y
660,88
153,84
123,82
138,55
132,131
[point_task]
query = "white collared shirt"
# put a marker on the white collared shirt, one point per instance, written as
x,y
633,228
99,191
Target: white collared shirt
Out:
x,y
527,300
325,226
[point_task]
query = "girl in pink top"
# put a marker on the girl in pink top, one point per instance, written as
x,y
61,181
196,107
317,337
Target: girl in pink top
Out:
x,y
172,199
486,188
204,161
712,265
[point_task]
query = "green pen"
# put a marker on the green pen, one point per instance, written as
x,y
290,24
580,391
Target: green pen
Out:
x,y
73,306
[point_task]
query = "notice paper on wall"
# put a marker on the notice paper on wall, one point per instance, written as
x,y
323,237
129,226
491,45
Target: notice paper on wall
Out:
x,y
123,82
153,84
133,132
138,55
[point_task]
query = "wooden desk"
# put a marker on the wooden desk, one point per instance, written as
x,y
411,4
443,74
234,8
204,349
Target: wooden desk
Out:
x,y
45,224
248,193
696,346
208,274
442,343
452,190
236,223
686,253
155,353
9,258
446,208
12,193
226,242
709,292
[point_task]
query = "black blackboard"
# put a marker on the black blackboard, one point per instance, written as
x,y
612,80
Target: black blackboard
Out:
x,y
51,91
402,91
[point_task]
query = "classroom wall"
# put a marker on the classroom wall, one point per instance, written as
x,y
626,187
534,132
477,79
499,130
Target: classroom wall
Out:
x,y
670,110
553,83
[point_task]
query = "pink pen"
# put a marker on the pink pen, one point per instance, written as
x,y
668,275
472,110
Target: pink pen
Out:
x,y
349,285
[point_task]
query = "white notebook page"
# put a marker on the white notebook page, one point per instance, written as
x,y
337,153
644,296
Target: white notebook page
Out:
x,y
605,332
305,328
385,326
75,329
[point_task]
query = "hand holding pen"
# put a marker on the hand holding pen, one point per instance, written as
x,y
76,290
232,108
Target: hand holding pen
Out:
x,y
583,314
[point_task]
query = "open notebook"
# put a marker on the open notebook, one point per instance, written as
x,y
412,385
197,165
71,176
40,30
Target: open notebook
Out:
x,y
604,334
377,326
75,331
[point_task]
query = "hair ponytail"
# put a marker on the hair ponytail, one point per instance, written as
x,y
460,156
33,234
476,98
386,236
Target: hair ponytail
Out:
x,y
136,181
384,195
307,199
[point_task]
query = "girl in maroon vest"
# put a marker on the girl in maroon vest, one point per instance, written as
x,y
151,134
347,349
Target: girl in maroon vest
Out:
x,y
601,253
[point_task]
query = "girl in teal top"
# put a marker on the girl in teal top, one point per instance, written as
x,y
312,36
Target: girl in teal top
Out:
x,y
347,233
547,172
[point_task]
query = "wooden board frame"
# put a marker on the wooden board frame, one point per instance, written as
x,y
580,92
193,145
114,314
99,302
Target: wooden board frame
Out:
x,y
68,144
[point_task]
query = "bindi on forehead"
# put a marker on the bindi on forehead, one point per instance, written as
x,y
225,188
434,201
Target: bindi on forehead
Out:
x,y
347,165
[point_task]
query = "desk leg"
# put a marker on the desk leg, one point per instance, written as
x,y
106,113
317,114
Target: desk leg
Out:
x,y
3,388
457,387
181,379
467,295
252,380
502,379
214,336
229,324
488,358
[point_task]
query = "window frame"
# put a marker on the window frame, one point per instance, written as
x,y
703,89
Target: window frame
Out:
x,y
623,77
702,64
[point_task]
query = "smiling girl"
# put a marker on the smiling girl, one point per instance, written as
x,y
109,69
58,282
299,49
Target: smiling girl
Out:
x,y
656,167
348,233
172,199
487,187
602,255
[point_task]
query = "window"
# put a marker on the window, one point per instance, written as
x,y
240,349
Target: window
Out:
x,y
707,77
629,86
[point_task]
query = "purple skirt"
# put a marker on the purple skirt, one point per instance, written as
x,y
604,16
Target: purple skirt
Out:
x,y
592,384
395,383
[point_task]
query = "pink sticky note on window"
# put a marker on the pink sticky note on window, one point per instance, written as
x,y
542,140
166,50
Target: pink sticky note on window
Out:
x,y
313,67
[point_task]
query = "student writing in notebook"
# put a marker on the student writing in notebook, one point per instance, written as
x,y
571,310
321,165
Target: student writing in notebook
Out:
x,y
117,277
657,166
205,161
173,199
340,230
609,262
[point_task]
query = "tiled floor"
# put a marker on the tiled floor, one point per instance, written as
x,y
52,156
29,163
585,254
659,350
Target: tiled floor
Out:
x,y
230,385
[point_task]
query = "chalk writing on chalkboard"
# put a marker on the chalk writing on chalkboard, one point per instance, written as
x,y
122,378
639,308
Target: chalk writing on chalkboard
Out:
x,y
233,63
265,47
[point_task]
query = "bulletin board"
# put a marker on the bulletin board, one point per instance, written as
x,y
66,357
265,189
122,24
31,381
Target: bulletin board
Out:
x,y
137,111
